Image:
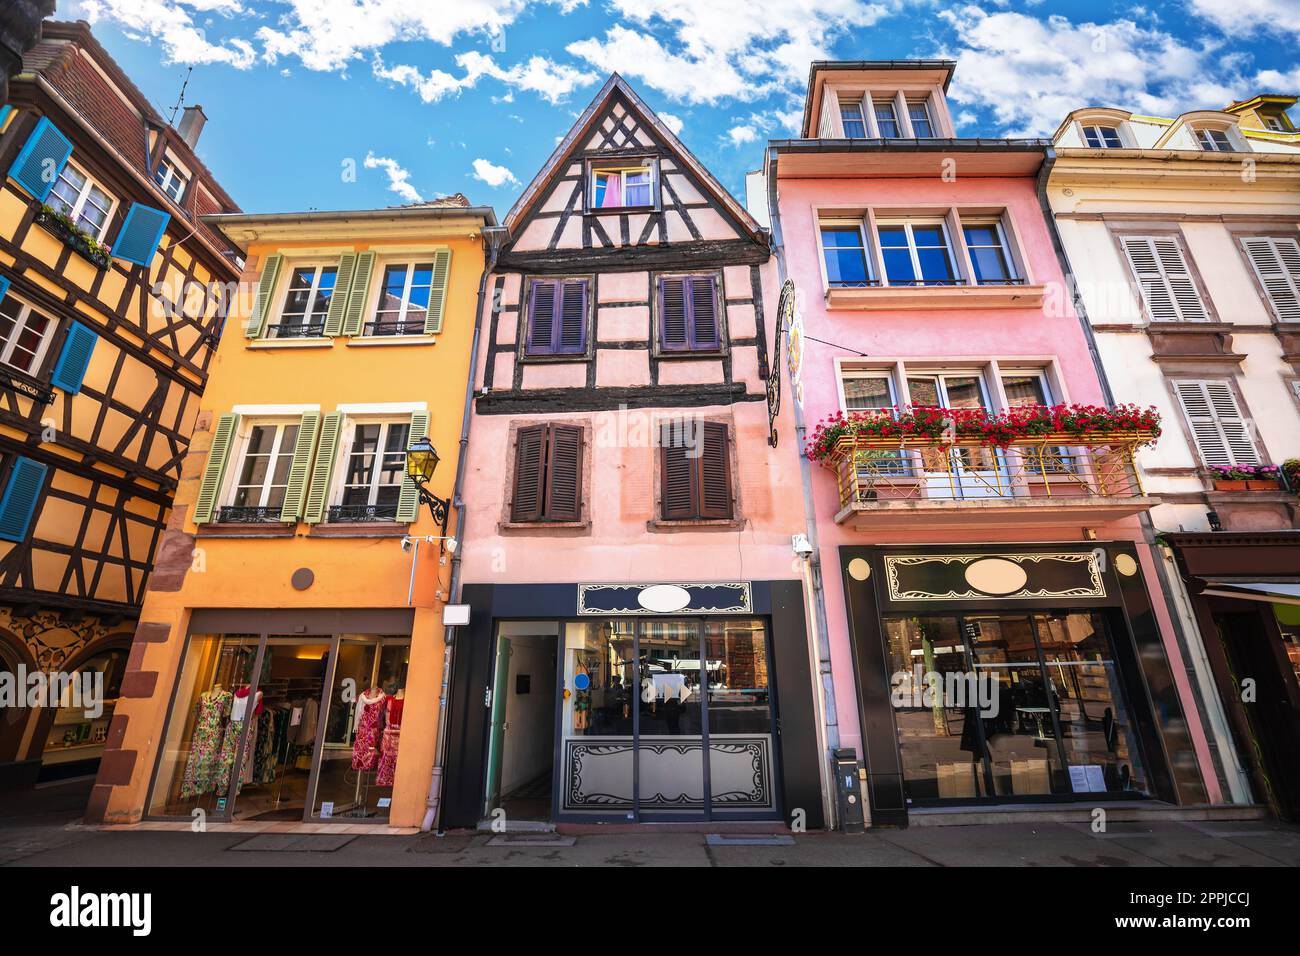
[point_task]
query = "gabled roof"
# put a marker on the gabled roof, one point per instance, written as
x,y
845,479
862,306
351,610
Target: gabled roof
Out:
x,y
577,135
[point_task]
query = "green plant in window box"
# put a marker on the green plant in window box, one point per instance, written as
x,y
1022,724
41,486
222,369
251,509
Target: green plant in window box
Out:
x,y
73,235
1291,473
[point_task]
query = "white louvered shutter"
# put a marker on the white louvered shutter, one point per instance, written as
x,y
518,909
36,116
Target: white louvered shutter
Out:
x,y
1168,289
1222,436
1277,263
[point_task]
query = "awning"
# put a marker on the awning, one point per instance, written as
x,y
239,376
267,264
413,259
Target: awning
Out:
x,y
1270,592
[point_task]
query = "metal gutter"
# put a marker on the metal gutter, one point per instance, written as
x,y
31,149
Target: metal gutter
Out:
x,y
1196,663
486,213
493,237
813,579
936,145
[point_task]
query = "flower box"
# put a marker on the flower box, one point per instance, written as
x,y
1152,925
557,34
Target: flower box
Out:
x,y
68,233
1245,477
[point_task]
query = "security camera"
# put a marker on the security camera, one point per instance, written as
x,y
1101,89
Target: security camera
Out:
x,y
801,545
407,544
451,544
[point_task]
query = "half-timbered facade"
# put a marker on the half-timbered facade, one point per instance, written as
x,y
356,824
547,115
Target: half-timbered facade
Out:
x,y
634,602
112,296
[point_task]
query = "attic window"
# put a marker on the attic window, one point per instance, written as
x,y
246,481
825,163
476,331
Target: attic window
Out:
x,y
172,178
622,187
1101,137
1213,140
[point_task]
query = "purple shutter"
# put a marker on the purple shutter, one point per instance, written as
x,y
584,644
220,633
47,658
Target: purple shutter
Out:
x,y
541,317
672,314
571,334
704,313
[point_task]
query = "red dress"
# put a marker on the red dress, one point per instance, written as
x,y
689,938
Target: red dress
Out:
x,y
388,747
365,747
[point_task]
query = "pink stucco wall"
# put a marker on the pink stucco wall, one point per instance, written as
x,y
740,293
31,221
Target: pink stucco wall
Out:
x,y
1048,333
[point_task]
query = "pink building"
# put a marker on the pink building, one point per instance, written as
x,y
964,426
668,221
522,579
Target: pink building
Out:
x,y
926,275
637,646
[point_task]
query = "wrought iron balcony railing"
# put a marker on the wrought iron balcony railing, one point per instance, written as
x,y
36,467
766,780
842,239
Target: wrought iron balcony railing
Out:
x,y
231,514
347,513
872,471
296,330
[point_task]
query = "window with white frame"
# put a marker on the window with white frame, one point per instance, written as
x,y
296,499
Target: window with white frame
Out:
x,y
24,334
1099,136
844,248
82,200
621,187
917,252
887,124
403,299
866,390
1216,422
262,476
989,257
918,111
374,466
1213,140
171,177
306,302
1028,388
852,118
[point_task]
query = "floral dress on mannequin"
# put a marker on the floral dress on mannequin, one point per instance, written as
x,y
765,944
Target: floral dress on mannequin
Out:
x,y
205,743
365,747
388,747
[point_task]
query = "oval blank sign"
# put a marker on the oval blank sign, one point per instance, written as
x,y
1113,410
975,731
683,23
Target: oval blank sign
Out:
x,y
664,598
996,576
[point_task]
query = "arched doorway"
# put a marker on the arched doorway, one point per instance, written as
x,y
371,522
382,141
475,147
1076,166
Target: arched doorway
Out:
x,y
74,729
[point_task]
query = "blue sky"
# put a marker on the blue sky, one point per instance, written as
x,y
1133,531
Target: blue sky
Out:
x,y
426,97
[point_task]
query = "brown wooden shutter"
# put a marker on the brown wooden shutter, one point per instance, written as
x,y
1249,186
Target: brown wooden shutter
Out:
x,y
714,473
530,460
564,474
541,318
678,475
573,318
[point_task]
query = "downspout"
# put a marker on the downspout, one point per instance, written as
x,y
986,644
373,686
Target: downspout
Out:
x,y
492,239
1190,645
828,726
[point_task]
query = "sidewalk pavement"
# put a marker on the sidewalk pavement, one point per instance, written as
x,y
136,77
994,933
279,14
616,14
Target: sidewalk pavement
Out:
x,y
44,832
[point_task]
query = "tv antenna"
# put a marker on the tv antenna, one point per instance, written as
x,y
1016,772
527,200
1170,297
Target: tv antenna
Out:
x,y
180,99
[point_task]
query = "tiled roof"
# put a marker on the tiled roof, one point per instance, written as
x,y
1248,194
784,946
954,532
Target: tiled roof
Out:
x,y
454,200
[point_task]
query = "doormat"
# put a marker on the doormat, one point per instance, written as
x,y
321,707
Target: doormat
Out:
x,y
538,839
296,842
760,839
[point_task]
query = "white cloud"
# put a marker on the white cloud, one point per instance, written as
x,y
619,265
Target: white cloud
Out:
x,y
1031,73
398,177
168,22
551,81
740,135
724,49
1244,17
674,123
492,174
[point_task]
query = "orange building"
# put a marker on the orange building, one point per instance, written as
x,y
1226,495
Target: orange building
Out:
x,y
293,625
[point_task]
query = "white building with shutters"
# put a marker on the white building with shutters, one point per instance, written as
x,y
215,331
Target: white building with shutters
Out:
x,y
1182,237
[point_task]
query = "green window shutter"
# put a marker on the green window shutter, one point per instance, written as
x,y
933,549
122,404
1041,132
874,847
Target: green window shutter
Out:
x,y
358,294
339,298
408,504
438,293
298,471
265,289
222,440
317,497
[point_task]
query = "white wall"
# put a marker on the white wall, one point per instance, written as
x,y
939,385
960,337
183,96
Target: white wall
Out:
x,y
530,718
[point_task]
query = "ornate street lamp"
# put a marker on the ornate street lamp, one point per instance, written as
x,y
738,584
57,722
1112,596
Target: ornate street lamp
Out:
x,y
421,463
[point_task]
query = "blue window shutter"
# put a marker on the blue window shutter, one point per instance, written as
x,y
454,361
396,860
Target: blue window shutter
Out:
x,y
4,288
140,234
4,115
74,359
19,501
41,159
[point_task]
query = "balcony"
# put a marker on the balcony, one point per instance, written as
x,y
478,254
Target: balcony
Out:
x,y
343,514
938,482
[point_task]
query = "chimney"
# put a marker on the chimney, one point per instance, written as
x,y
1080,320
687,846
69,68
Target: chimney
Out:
x,y
192,121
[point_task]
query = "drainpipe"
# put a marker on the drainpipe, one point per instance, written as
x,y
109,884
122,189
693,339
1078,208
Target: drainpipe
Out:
x,y
493,236
1227,769
828,726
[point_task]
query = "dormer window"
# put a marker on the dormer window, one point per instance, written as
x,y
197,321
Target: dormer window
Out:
x,y
855,124
1273,123
886,118
1213,140
918,111
1101,137
623,187
171,177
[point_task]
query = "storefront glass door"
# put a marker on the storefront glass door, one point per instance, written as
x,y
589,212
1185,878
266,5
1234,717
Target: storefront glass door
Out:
x,y
666,719
1010,706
